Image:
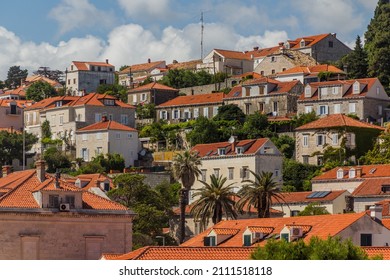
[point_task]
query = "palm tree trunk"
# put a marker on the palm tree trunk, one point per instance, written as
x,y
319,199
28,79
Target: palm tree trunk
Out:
x,y
183,201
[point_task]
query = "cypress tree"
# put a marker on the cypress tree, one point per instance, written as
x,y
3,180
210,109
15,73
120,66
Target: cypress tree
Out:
x,y
357,61
377,38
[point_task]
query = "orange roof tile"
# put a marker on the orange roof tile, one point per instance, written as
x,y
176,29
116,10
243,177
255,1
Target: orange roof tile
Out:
x,y
302,197
83,65
378,251
234,54
372,187
186,253
211,150
368,171
266,230
142,67
321,226
151,86
225,231
312,69
337,120
208,98
106,125
184,65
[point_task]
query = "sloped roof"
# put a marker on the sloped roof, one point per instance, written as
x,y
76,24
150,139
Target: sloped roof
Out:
x,y
19,103
106,125
372,187
186,253
208,98
153,85
368,171
211,150
312,70
337,120
234,54
17,192
36,78
302,197
83,65
184,65
321,226
310,40
148,66
378,251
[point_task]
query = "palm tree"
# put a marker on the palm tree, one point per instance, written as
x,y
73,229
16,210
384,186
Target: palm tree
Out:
x,y
185,168
215,199
259,193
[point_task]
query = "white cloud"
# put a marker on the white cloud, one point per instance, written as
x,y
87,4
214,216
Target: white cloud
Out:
x,y
147,9
369,4
79,14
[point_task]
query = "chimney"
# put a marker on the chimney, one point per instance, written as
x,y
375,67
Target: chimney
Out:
x,y
104,118
6,170
233,141
334,34
41,168
376,212
358,172
97,184
149,60
255,48
106,61
58,176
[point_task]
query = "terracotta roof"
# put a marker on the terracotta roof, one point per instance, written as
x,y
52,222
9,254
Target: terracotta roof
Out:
x,y
310,40
83,65
153,85
263,52
347,88
337,120
17,191
234,54
184,65
148,66
378,251
106,125
321,226
19,103
208,98
225,231
372,187
368,171
186,253
255,75
312,69
92,179
36,78
302,197
211,150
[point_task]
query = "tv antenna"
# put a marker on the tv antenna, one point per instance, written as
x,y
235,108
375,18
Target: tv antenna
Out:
x,y
201,35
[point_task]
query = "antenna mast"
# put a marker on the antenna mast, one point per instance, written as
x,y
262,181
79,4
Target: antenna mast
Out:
x,y
201,35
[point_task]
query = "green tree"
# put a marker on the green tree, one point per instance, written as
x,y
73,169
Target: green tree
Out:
x,y
256,126
11,145
230,112
204,131
377,38
45,129
285,145
185,169
305,118
146,111
91,168
356,61
56,159
332,248
15,76
258,193
40,90
313,209
380,153
214,200
118,91
298,174
55,75
109,162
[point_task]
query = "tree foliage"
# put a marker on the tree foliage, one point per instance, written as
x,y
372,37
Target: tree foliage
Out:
x,y
332,248
181,78
377,38
214,200
11,145
56,158
204,131
256,126
298,174
380,153
55,75
356,61
40,90
109,162
304,118
118,91
15,76
313,209
230,112
285,145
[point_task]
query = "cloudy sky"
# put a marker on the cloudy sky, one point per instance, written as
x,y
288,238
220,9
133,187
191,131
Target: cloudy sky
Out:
x,y
53,33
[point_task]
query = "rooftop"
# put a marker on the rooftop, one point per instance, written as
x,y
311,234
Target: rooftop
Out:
x,y
194,100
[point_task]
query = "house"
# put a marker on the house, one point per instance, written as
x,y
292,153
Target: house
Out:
x,y
281,60
226,61
361,228
107,137
44,217
234,159
365,98
335,131
85,77
266,96
152,93
66,114
11,111
309,74
183,108
291,203
185,65
132,75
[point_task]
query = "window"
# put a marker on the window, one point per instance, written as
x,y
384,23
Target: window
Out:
x,y
340,173
275,106
187,114
110,117
323,110
84,154
176,114
247,240
351,139
307,91
261,107
118,135
321,139
305,159
109,102
98,117
276,173
54,201
135,98
163,115
335,90
330,44
61,119
99,151
221,151
261,90
216,172
84,137
215,111
239,150
337,108
59,103
285,237
204,174
352,173
273,71
70,199
129,135
352,107
124,119
335,139
380,110
305,140
99,136
308,109
324,91
68,81
320,160
143,97
206,112
244,172
230,173
196,113
302,43
74,81
366,239
356,88
247,108
273,59
294,213
210,241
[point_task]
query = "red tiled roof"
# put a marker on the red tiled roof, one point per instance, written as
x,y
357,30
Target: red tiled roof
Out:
x,y
372,187
153,85
255,75
107,125
19,103
211,150
186,253
184,65
93,179
234,54
208,98
337,120
36,78
310,40
148,66
321,226
83,65
368,171
378,251
225,231
302,197
312,69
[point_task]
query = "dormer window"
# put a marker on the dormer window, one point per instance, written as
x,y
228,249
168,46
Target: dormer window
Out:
x,y
307,91
209,241
221,151
109,102
340,173
59,103
352,173
356,88
239,150
302,43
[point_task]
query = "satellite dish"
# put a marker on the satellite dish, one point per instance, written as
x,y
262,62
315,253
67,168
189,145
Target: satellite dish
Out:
x,y
232,139
142,152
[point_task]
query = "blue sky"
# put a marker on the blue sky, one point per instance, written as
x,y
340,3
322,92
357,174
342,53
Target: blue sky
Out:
x,y
53,33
